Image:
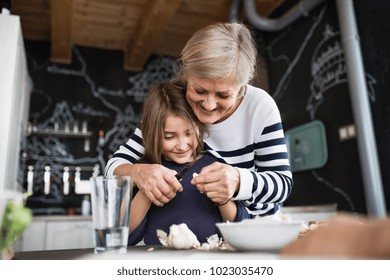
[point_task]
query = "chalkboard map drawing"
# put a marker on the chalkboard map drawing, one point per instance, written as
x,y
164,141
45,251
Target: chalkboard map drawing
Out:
x,y
327,66
60,119
123,125
48,100
161,69
328,69
291,63
52,150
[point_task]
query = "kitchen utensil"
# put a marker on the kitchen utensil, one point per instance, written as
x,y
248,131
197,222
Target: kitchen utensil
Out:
x,y
179,175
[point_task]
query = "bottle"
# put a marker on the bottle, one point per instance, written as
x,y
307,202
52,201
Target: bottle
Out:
x,y
86,206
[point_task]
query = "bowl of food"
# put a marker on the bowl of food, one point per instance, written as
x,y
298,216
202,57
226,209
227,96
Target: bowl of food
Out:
x,y
259,234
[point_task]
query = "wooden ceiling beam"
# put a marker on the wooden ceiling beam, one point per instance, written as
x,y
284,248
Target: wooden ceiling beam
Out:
x,y
138,27
61,26
147,36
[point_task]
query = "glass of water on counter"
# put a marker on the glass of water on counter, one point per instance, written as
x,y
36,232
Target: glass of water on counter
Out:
x,y
111,198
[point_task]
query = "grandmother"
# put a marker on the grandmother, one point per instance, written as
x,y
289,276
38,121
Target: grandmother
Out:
x,y
244,128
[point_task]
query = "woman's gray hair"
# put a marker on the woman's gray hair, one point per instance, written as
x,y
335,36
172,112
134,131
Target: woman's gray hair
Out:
x,y
217,52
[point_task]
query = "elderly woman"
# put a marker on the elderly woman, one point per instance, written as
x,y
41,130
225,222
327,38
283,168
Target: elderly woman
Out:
x,y
244,128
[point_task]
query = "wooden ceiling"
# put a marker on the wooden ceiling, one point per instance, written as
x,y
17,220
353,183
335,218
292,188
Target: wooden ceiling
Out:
x,y
139,28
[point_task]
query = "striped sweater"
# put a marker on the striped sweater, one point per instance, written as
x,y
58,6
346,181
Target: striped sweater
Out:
x,y
252,140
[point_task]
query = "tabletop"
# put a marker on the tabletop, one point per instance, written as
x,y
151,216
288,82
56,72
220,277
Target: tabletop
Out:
x,y
146,253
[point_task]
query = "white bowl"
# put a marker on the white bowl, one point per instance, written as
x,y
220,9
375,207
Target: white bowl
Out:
x,y
250,235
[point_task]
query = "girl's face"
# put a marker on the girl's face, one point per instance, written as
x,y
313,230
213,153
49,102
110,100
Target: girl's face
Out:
x,y
179,140
213,101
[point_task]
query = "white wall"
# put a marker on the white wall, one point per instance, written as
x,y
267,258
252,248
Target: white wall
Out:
x,y
15,87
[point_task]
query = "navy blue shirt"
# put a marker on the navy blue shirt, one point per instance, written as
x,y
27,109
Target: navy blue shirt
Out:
x,y
189,207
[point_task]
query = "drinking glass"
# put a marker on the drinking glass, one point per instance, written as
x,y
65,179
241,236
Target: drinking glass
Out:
x,y
111,198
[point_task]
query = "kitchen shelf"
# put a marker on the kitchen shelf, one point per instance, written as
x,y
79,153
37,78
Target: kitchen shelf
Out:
x,y
59,133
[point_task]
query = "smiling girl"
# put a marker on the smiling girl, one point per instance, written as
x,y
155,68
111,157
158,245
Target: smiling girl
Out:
x,y
173,136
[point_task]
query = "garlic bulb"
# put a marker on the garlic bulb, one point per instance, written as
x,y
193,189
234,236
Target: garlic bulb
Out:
x,y
180,237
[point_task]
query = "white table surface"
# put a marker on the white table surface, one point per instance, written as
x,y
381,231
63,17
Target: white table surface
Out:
x,y
146,253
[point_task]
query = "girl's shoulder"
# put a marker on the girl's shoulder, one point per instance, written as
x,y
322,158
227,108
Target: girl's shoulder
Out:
x,y
207,157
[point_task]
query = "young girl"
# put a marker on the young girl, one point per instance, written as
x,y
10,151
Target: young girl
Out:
x,y
172,136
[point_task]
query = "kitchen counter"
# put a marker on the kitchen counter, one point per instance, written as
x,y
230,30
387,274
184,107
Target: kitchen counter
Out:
x,y
62,218
56,232
146,253
162,263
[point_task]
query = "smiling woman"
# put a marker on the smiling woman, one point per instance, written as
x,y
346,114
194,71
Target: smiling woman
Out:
x,y
213,102
215,68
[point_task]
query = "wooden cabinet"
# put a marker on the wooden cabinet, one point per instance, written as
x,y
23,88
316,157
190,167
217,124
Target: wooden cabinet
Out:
x,y
33,238
56,232
69,235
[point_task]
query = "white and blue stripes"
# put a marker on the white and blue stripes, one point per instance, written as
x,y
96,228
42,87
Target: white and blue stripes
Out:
x,y
252,140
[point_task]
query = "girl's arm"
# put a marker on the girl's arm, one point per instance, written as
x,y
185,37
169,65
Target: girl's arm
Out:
x,y
139,208
228,211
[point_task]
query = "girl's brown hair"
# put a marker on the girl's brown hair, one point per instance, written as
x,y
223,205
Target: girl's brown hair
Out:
x,y
162,99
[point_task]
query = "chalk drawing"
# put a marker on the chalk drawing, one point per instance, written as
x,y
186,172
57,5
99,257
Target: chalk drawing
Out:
x,y
61,115
35,115
160,70
291,62
122,125
51,150
327,71
88,110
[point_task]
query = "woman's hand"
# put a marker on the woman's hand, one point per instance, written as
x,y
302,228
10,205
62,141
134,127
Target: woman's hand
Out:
x,y
218,181
155,181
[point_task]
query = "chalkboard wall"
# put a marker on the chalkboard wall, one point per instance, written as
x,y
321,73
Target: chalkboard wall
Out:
x,y
374,26
308,79
80,114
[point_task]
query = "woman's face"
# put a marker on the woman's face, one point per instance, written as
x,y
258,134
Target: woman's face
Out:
x,y
213,101
179,140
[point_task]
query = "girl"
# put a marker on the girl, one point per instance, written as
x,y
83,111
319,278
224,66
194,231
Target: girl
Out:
x,y
172,136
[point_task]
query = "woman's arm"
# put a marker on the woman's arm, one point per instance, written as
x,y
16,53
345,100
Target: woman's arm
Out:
x,y
157,183
218,181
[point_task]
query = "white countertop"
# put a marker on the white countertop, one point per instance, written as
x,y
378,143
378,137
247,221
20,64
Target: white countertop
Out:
x,y
146,253
62,218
